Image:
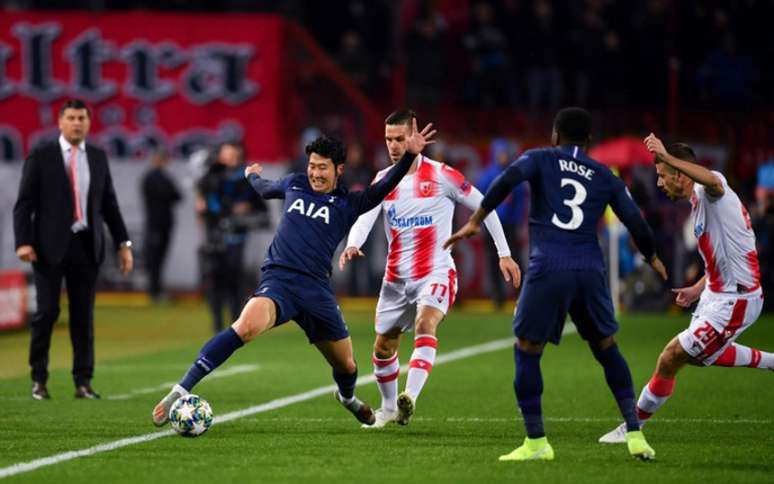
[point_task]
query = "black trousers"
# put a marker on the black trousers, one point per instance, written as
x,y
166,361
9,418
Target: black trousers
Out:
x,y
156,246
79,271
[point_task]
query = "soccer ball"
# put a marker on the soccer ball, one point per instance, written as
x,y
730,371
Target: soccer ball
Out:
x,y
190,415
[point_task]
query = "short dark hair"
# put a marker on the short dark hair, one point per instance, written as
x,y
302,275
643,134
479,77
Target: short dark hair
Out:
x,y
682,151
74,104
401,116
573,124
328,148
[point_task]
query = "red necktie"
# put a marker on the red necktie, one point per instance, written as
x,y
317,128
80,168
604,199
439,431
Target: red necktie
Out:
x,y
77,213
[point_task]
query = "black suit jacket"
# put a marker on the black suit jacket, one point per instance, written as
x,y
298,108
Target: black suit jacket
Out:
x,y
43,213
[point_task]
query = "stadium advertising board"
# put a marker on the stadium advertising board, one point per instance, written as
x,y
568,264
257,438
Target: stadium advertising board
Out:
x,y
153,79
13,300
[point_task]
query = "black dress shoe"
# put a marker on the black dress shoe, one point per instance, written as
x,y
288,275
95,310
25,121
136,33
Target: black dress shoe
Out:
x,y
85,391
39,391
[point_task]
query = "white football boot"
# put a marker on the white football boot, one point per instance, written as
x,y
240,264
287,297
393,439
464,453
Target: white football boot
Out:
x,y
382,419
161,410
615,436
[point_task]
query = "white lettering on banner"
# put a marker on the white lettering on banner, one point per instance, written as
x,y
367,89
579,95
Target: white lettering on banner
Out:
x,y
322,212
214,71
574,167
64,58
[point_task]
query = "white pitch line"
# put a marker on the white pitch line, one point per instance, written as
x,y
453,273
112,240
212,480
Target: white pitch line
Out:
x,y
231,371
547,419
22,467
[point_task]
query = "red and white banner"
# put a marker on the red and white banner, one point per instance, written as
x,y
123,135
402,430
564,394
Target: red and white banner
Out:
x,y
13,300
152,79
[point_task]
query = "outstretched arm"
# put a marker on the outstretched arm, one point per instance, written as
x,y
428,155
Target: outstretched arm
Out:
x,y
520,170
374,194
472,200
267,189
712,184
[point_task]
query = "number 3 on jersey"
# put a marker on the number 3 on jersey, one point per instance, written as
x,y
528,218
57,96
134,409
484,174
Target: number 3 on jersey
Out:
x,y
574,203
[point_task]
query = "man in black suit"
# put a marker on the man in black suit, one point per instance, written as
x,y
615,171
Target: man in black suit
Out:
x,y
66,193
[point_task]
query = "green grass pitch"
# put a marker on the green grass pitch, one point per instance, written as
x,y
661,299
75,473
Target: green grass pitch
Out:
x,y
716,428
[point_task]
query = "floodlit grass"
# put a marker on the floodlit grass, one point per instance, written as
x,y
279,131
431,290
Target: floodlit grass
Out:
x,y
717,428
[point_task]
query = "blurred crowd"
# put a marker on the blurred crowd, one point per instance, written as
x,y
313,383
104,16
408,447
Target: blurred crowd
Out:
x,y
531,57
533,54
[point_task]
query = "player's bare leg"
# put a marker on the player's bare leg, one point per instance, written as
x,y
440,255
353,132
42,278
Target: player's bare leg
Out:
x,y
658,390
387,371
422,360
674,357
339,355
257,317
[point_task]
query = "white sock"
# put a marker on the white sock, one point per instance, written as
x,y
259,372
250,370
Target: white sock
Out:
x,y
422,360
740,355
387,372
653,396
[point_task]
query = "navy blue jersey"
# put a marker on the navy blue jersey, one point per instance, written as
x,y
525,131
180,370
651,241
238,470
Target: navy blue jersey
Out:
x,y
569,194
313,224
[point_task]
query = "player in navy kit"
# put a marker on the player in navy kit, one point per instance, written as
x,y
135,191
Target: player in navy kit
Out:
x,y
297,268
566,273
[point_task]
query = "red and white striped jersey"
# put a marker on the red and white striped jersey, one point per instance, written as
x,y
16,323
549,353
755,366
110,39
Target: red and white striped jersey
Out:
x,y
418,217
726,240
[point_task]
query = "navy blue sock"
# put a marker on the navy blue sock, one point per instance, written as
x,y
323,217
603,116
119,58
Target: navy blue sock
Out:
x,y
619,379
529,389
346,383
213,354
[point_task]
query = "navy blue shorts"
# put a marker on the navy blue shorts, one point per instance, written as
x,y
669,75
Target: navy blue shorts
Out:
x,y
547,298
306,300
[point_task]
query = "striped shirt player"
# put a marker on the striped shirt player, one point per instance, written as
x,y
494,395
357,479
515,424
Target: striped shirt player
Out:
x,y
418,216
729,294
569,195
420,278
732,298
